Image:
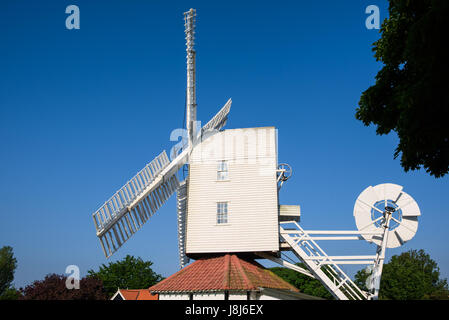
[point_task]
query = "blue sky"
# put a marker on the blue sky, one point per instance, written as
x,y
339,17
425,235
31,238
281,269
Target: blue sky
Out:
x,y
81,111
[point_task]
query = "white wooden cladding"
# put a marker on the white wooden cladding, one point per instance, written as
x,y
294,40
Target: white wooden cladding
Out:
x,y
250,191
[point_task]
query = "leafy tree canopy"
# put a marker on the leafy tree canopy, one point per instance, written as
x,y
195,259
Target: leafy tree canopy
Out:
x,y
8,265
128,273
53,287
410,95
411,275
10,294
304,283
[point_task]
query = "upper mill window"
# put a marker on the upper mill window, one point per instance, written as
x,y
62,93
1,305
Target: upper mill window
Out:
x,y
222,170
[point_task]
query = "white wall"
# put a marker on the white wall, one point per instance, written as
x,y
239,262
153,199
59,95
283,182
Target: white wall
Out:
x,y
196,296
266,294
238,296
269,297
209,296
173,296
276,294
251,193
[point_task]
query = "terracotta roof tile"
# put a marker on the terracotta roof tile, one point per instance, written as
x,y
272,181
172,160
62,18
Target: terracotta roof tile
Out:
x,y
138,294
225,272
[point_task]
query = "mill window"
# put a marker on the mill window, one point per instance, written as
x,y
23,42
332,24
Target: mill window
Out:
x,y
222,170
222,212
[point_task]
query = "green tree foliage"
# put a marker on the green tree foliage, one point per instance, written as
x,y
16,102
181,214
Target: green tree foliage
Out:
x,y
53,287
10,294
8,265
360,279
411,275
304,283
129,273
410,95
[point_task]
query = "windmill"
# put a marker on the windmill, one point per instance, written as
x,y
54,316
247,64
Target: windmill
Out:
x,y
229,202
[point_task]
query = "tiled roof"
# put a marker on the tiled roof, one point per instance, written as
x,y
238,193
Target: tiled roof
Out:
x,y
138,294
225,272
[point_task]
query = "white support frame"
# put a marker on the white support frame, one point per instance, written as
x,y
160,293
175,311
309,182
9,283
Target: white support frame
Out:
x,y
285,264
303,245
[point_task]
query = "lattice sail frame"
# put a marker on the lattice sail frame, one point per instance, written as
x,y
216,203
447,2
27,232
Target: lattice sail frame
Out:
x,y
133,204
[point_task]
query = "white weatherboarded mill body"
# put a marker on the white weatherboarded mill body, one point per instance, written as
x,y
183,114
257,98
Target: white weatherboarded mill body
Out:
x,y
234,170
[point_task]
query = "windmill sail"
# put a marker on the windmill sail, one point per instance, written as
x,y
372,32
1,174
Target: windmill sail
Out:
x,y
132,205
219,120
